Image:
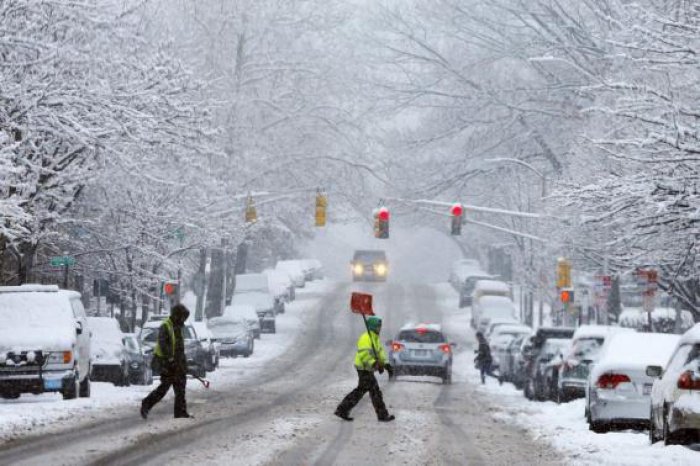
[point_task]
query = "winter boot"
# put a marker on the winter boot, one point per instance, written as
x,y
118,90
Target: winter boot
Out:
x,y
342,415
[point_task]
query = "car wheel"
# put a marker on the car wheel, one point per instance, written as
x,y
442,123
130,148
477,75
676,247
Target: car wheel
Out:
x,y
653,436
599,427
71,391
85,388
447,378
669,438
528,389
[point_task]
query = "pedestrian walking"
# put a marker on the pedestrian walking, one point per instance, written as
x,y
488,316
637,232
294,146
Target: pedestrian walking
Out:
x,y
370,357
169,357
483,358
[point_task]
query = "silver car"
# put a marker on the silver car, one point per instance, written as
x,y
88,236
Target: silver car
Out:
x,y
421,350
618,390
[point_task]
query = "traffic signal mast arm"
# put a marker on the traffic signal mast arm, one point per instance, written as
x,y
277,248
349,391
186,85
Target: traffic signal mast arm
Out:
x,y
474,208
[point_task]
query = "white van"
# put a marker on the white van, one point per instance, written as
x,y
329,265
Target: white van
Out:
x,y
44,342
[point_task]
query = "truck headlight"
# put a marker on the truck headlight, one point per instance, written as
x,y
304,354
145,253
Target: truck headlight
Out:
x,y
60,357
380,269
358,269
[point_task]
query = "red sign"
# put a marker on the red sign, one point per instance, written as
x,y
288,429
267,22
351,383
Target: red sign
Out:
x,y
361,303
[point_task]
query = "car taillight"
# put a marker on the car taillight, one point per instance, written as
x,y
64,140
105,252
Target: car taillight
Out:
x,y
445,349
688,381
396,347
611,380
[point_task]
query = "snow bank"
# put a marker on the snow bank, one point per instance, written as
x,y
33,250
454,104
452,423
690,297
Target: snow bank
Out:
x,y
48,412
561,425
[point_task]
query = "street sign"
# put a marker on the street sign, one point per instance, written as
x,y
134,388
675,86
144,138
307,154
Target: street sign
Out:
x,y
62,261
361,303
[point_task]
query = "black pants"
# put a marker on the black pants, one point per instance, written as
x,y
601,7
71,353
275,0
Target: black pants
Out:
x,y
366,383
178,380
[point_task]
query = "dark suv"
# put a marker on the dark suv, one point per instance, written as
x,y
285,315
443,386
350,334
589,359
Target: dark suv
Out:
x,y
369,265
534,357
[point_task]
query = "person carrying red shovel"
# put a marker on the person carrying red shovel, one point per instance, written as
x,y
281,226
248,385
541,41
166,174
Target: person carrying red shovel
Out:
x,y
370,357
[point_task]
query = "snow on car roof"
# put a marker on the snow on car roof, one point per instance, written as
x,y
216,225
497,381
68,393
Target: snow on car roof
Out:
x,y
692,335
510,327
598,331
494,285
495,301
30,287
415,326
240,311
104,326
634,351
251,281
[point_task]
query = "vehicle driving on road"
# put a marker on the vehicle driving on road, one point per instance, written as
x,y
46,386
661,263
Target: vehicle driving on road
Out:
x,y
421,349
369,265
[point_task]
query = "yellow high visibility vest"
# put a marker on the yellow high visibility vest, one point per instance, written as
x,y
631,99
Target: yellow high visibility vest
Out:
x,y
367,344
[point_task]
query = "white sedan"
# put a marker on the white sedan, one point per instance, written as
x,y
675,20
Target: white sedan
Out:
x,y
675,396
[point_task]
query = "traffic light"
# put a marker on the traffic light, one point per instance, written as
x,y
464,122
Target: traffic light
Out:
x,y
251,214
563,273
456,211
566,296
171,289
321,204
381,223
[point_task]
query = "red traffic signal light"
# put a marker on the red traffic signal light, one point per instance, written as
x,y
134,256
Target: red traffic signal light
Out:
x,y
170,288
383,214
566,296
456,210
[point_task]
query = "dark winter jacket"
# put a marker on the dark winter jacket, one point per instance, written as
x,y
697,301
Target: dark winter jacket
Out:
x,y
174,362
483,353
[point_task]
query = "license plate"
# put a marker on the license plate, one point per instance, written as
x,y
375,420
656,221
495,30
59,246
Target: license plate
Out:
x,y
420,353
646,390
52,384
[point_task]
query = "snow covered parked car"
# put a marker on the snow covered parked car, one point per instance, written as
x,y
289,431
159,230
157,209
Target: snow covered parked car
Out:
x,y
488,308
461,269
315,267
139,361
109,356
585,350
294,270
618,390
44,342
466,289
532,356
194,352
211,348
264,305
280,285
500,339
233,335
260,283
247,313
675,395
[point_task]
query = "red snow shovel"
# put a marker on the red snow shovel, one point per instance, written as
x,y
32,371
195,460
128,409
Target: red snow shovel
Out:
x,y
361,303
205,382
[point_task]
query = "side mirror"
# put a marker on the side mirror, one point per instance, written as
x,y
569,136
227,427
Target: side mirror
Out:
x,y
654,371
78,328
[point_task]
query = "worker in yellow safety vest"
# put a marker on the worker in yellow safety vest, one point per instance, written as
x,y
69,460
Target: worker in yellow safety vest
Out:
x,y
370,357
170,360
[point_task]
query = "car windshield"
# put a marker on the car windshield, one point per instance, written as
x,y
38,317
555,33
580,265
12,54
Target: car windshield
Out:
x,y
228,329
150,334
369,256
587,348
130,343
421,336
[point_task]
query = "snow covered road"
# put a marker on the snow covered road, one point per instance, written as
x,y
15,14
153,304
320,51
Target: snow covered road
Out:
x,y
279,410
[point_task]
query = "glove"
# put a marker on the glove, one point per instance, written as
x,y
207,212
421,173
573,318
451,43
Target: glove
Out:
x,y
380,367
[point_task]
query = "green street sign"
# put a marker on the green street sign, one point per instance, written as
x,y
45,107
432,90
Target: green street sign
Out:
x,y
62,261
